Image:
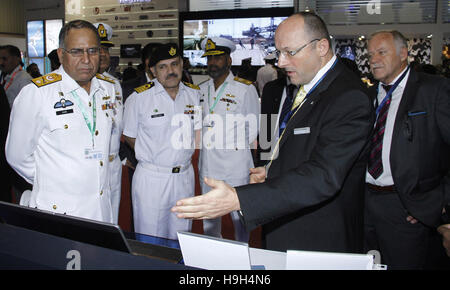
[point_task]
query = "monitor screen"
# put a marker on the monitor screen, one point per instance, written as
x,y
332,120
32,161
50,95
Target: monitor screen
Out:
x,y
52,28
39,62
130,50
348,51
77,229
35,38
252,33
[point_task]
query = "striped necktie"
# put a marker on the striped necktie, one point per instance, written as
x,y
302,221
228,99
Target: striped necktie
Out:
x,y
286,109
375,166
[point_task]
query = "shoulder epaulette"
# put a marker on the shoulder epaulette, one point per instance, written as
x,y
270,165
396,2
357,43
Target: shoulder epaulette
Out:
x,y
244,81
47,79
105,78
192,86
144,87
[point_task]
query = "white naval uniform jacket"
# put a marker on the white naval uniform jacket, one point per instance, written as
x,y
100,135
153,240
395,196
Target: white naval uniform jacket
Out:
x,y
50,145
165,132
228,158
115,165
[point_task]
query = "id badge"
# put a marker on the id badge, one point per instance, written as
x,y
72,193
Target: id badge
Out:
x,y
93,154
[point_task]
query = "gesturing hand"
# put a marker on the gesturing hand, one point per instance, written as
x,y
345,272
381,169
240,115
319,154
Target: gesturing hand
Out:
x,y
221,200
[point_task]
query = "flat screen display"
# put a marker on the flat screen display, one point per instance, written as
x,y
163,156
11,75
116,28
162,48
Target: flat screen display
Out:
x,y
130,50
40,64
253,37
348,51
35,38
52,28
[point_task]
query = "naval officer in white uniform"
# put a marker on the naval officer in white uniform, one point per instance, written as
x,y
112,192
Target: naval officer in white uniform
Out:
x,y
162,119
115,165
60,131
225,153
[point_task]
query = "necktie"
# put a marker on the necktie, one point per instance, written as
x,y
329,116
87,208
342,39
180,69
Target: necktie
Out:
x,y
375,166
299,98
286,106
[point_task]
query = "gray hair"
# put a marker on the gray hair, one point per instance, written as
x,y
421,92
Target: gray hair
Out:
x,y
76,24
399,39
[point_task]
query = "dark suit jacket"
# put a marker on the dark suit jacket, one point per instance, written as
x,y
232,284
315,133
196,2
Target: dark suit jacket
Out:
x,y
270,104
313,196
420,150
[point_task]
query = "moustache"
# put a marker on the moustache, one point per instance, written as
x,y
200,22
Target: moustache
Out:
x,y
171,75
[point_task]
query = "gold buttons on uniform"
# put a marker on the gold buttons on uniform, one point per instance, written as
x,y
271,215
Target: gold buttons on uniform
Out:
x,y
96,132
101,192
66,126
101,163
90,105
54,206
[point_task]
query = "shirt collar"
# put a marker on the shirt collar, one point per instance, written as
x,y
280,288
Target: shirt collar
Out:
x,y
159,89
69,84
319,74
401,84
15,70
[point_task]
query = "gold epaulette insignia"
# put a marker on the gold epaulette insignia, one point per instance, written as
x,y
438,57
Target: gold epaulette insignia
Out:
x,y
192,86
105,78
144,87
244,81
47,79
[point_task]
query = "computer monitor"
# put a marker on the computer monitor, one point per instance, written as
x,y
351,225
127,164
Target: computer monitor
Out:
x,y
74,228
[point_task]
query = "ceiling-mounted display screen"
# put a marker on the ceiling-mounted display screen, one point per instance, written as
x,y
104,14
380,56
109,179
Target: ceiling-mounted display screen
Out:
x,y
35,38
52,28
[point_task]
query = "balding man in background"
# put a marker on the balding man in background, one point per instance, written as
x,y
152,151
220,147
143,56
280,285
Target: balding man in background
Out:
x,y
308,197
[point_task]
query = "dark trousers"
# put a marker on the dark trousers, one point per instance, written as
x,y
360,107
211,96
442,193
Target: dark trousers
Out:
x,y
402,245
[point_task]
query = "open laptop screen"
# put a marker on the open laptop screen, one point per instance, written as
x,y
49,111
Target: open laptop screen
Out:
x,y
77,229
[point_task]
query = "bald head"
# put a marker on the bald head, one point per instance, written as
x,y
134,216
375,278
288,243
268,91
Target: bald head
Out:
x,y
303,45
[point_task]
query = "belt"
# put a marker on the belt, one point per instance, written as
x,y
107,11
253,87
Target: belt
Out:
x,y
389,188
164,169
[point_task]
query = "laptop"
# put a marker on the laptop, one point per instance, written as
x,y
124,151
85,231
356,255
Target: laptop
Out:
x,y
211,253
87,231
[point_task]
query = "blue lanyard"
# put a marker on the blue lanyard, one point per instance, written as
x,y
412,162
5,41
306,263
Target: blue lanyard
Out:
x,y
288,115
389,94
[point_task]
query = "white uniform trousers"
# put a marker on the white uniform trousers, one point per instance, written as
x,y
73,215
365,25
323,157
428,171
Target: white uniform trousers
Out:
x,y
213,227
116,186
155,190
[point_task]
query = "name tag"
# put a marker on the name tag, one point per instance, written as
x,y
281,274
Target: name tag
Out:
x,y
63,112
157,115
93,154
299,131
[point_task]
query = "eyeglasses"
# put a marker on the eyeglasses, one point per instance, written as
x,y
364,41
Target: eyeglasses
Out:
x,y
79,52
293,52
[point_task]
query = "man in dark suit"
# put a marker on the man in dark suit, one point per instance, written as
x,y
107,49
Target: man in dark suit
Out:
x,y
409,157
272,96
310,195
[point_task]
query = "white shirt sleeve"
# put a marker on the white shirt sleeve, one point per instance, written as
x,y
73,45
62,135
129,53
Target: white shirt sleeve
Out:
x,y
25,128
130,116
